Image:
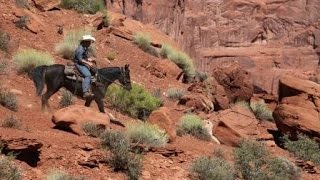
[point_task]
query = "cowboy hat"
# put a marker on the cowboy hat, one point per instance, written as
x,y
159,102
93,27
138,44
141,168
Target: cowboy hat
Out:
x,y
88,38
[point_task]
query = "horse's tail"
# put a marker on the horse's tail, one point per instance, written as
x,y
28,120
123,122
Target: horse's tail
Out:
x,y
38,77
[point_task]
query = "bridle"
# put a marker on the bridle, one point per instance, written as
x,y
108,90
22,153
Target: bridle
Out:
x,y
122,71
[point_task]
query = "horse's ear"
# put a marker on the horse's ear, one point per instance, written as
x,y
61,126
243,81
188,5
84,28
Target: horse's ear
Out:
x,y
126,66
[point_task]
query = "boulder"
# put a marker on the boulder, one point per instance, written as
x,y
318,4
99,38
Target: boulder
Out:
x,y
299,107
46,5
226,134
162,118
197,102
72,118
96,20
163,68
236,82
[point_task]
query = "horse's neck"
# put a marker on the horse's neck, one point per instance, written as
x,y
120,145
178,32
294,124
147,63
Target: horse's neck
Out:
x,y
109,75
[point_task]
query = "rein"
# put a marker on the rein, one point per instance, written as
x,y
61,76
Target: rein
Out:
x,y
99,75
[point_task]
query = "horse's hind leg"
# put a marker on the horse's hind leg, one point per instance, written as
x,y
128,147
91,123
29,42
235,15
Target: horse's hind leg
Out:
x,y
100,104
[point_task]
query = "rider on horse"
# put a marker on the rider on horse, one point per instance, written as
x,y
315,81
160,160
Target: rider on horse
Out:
x,y
84,63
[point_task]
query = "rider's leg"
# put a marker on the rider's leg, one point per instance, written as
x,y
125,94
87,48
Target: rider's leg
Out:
x,y
87,76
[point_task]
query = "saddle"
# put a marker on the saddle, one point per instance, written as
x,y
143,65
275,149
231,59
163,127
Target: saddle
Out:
x,y
73,73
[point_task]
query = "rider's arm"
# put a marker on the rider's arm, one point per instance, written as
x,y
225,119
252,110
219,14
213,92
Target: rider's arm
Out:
x,y
79,57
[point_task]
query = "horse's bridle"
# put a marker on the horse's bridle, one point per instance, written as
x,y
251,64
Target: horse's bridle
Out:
x,y
113,82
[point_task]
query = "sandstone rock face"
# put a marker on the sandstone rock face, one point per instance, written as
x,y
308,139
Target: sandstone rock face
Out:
x,y
163,68
73,118
197,102
162,118
45,5
268,37
299,109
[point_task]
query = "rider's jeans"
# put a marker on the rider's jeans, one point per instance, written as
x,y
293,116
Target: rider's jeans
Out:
x,y
87,76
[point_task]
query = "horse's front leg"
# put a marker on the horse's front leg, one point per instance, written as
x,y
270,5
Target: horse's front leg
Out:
x,y
88,102
100,105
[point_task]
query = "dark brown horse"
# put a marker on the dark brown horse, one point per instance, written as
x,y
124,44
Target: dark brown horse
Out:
x,y
54,78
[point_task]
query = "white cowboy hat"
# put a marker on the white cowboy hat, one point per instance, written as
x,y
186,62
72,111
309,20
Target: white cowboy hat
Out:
x,y
88,38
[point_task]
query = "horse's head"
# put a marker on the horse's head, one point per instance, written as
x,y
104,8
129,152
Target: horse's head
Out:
x,y
125,77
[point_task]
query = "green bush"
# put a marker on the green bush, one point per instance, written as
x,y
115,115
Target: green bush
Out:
x,y
175,93
202,76
132,102
261,110
304,148
4,41
184,62
106,18
254,162
147,134
11,122
66,99
143,41
8,170
243,104
83,6
22,22
192,124
27,59
205,168
8,100
71,41
61,175
121,159
166,50
92,129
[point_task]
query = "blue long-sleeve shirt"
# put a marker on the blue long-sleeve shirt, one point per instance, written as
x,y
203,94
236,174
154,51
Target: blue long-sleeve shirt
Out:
x,y
81,54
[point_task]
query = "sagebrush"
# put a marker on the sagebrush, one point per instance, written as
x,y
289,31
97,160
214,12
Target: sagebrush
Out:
x,y
92,129
22,3
8,100
66,99
70,42
22,22
175,93
261,110
11,122
193,125
143,41
4,41
166,50
205,168
132,102
83,6
61,175
254,161
27,59
9,171
147,134
304,148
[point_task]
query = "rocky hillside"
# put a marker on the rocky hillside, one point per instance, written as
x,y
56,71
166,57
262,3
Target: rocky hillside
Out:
x,y
253,115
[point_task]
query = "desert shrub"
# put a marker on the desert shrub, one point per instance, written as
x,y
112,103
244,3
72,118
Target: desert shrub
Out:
x,y
184,62
281,168
205,168
83,6
22,3
67,47
175,93
11,122
304,148
201,76
8,100
61,175
66,99
254,162
121,159
111,56
192,124
92,129
4,41
22,22
166,50
261,110
106,18
132,102
147,134
27,59
143,41
8,170
243,104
